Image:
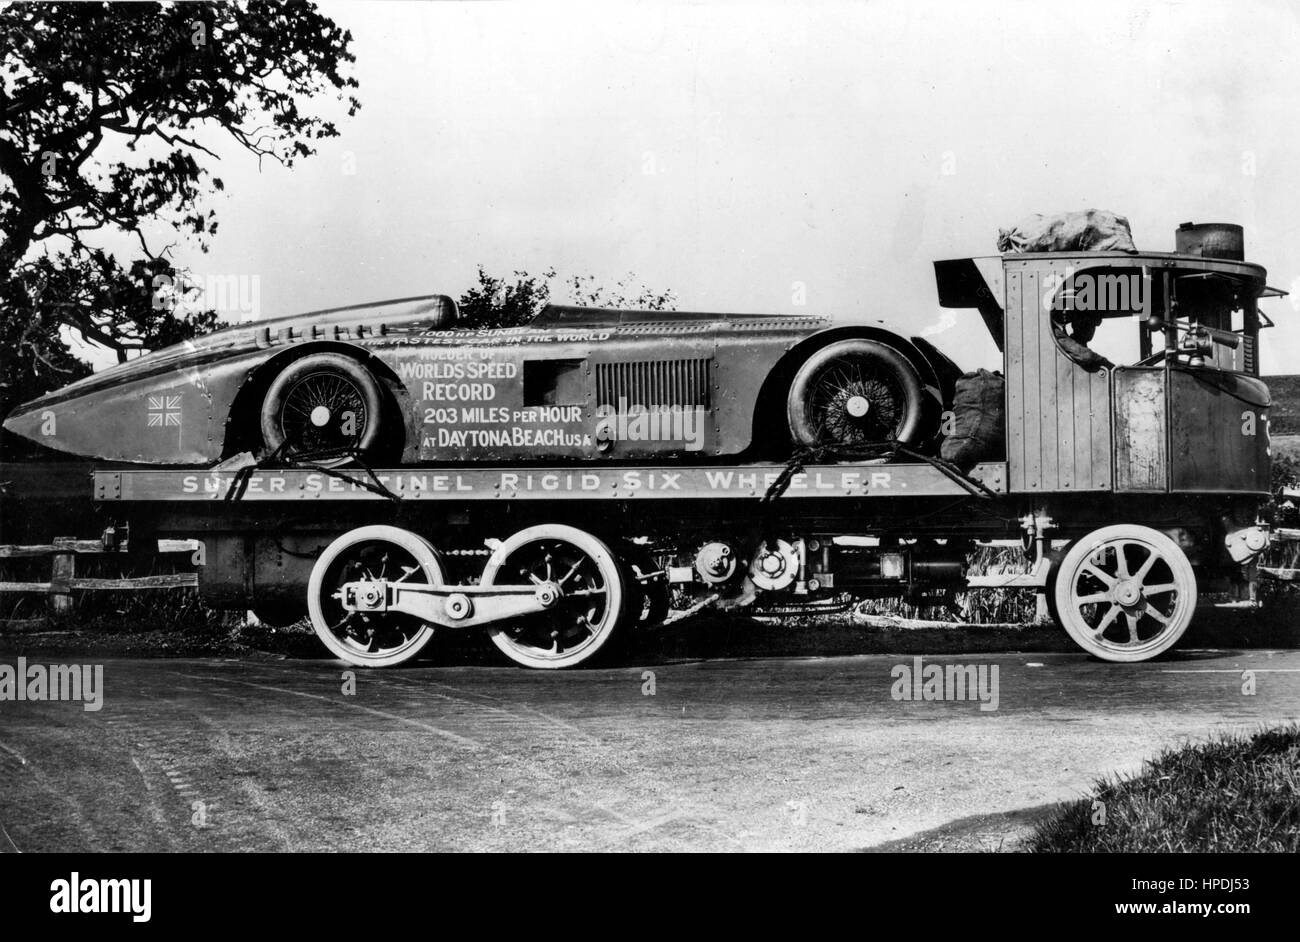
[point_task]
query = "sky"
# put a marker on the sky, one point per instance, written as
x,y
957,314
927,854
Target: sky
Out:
x,y
794,157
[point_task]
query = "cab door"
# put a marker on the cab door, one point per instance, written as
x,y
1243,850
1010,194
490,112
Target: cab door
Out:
x,y
1058,413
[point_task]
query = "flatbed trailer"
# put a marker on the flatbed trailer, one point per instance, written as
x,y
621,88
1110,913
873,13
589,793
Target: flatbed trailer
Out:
x,y
399,552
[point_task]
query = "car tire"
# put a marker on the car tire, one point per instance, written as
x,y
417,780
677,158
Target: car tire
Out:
x,y
856,392
324,408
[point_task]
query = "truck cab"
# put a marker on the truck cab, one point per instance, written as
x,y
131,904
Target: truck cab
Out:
x,y
1125,372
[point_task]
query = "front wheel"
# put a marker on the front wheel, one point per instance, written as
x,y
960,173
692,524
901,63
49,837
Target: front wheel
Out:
x,y
589,587
323,408
1125,593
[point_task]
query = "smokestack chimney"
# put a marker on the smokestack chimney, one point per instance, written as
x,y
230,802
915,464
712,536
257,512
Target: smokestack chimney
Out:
x,y
1211,240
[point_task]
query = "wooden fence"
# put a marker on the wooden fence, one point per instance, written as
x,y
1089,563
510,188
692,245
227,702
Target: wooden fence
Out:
x,y
63,569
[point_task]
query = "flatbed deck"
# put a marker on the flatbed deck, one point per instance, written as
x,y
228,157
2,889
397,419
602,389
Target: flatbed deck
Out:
x,y
850,479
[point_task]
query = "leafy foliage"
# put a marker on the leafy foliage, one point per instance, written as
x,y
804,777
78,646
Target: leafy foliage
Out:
x,y
99,299
502,302
1285,476
104,110
624,294
513,302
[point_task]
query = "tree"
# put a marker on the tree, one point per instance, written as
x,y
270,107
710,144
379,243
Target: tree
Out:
x,y
498,302
102,302
501,302
585,292
146,82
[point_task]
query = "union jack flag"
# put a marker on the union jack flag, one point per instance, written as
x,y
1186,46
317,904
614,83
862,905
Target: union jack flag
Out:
x,y
164,410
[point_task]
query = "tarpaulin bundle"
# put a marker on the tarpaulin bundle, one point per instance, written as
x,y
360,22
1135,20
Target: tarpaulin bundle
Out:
x,y
979,421
1089,230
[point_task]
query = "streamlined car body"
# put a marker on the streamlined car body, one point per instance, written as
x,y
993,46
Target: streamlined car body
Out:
x,y
401,382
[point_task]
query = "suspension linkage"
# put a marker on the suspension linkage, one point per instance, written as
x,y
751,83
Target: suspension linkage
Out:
x,y
461,606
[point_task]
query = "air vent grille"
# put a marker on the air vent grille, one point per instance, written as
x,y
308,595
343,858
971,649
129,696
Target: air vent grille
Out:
x,y
651,383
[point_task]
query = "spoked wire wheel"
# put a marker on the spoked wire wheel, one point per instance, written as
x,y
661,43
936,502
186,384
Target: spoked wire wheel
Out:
x,y
323,407
371,554
590,590
1125,593
855,392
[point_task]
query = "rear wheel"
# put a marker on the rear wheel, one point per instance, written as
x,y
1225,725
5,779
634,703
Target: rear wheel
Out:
x,y
855,392
324,408
1125,593
590,589
371,554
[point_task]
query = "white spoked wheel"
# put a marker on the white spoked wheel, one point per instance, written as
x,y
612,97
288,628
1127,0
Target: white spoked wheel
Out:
x,y
589,588
375,553
1125,593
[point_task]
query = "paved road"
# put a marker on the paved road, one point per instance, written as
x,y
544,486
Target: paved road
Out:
x,y
764,754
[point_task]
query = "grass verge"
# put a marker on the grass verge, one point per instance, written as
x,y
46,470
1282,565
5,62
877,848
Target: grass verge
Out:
x,y
1236,793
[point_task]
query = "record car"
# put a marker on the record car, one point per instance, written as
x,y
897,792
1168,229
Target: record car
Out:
x,y
399,382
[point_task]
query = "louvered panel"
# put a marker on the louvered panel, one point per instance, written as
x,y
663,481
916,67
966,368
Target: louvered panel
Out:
x,y
651,383
661,328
